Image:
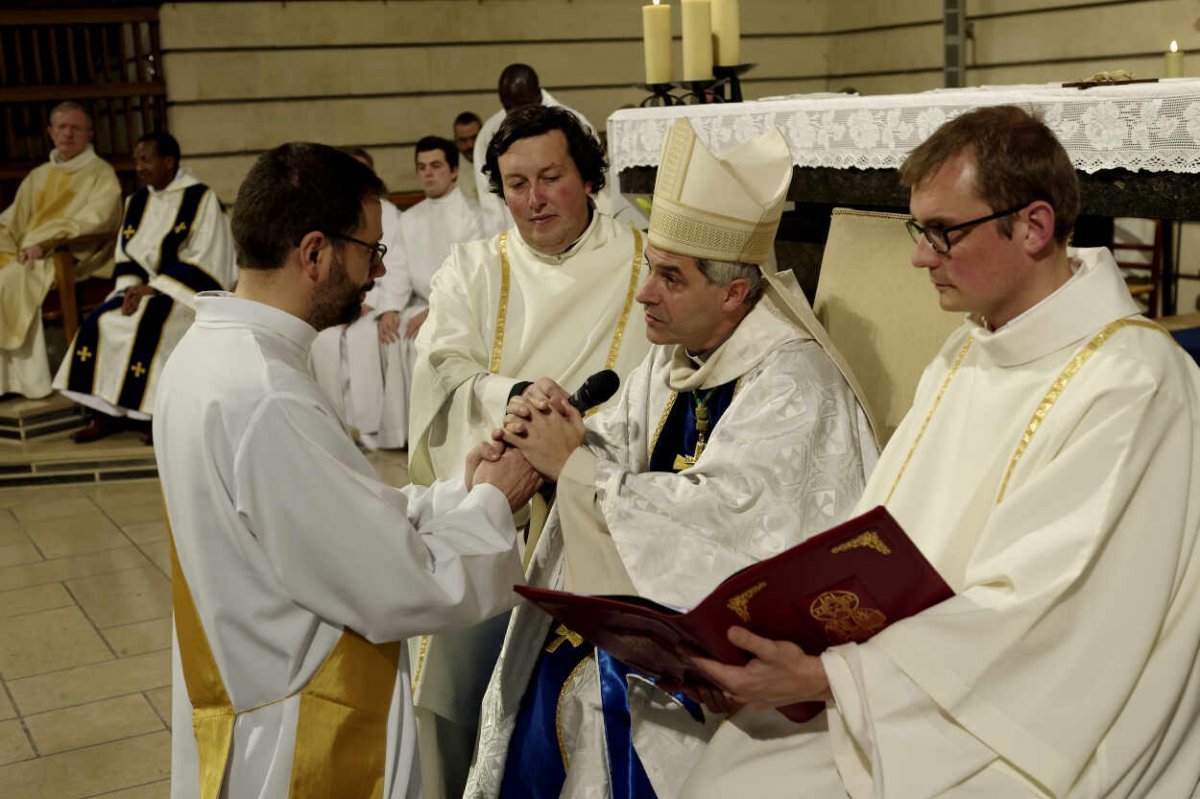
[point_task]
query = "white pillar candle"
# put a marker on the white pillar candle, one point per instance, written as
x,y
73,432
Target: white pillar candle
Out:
x,y
1173,68
697,40
727,33
656,42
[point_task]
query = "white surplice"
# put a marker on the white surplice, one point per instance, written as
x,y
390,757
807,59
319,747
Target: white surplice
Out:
x,y
286,535
59,199
1050,471
208,247
787,459
351,364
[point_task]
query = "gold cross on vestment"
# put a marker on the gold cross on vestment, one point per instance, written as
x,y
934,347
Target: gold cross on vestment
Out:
x,y
138,370
564,634
182,226
685,461
129,231
83,354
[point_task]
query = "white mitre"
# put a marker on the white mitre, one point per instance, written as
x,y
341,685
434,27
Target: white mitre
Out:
x,y
722,209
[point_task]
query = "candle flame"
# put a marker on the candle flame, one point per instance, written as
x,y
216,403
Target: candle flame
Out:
x,y
655,2
1174,44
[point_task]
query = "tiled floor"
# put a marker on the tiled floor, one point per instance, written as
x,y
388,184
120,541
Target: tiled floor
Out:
x,y
85,639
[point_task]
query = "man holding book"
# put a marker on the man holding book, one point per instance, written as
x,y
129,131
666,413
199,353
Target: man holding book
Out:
x,y
1050,470
737,437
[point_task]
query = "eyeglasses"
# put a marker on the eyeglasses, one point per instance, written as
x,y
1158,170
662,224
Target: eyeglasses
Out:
x,y
377,250
939,237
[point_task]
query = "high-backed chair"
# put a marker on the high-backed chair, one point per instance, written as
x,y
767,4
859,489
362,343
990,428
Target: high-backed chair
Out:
x,y
882,314
72,299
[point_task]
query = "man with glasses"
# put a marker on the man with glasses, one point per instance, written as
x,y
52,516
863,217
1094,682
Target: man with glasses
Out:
x,y
1050,470
297,572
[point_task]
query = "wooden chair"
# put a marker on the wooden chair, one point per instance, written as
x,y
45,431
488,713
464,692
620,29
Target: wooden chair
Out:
x,y
72,300
1144,277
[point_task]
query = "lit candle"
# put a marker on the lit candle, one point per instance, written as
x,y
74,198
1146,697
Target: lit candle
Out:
x,y
726,33
656,42
1174,62
697,40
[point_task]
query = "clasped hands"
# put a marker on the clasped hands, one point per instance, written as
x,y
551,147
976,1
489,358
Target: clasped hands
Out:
x,y
544,426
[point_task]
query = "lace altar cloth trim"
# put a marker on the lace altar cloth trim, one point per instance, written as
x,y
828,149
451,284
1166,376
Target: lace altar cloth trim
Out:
x,y
1140,126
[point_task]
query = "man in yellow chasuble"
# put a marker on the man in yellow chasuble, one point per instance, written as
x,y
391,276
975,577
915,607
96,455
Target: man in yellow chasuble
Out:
x,y
298,573
737,437
75,194
534,311
1049,468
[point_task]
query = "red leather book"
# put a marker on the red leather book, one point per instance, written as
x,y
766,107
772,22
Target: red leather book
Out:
x,y
843,585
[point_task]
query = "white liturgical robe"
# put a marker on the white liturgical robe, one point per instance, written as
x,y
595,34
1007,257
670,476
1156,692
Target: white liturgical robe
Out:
x,y
178,242
1050,471
58,200
787,459
286,536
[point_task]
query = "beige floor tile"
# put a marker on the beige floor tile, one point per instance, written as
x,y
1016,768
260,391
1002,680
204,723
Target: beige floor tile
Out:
x,y
145,532
50,571
93,723
90,683
129,513
76,535
10,530
16,497
159,553
52,507
154,790
31,600
123,597
7,711
135,490
91,771
17,554
14,745
136,639
161,699
48,641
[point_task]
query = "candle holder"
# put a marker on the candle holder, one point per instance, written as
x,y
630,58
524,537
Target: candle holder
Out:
x,y
702,92
731,76
660,95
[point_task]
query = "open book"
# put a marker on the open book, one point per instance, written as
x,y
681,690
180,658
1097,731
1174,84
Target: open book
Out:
x,y
843,585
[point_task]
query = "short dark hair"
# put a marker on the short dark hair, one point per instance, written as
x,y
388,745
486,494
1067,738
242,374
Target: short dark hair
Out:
x,y
535,120
164,144
466,118
1018,159
518,86
293,190
428,144
361,154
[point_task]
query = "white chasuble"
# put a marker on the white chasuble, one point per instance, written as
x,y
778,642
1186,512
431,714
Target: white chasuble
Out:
x,y
1050,471
287,538
58,200
787,459
178,242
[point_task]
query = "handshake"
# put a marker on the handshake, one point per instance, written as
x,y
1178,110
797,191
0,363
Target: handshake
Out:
x,y
541,429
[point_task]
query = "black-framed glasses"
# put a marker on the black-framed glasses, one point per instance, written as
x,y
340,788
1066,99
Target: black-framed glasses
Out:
x,y
939,237
378,250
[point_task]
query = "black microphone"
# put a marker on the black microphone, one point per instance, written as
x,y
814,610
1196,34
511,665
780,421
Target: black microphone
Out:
x,y
595,390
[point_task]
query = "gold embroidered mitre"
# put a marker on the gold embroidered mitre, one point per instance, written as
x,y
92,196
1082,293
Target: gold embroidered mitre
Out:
x,y
725,209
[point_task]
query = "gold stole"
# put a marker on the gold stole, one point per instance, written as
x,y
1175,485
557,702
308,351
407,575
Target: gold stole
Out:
x,y
341,735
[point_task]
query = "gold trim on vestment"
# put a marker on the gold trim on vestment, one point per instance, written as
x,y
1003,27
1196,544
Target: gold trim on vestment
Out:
x,y
422,649
1060,383
562,693
502,310
619,333
937,400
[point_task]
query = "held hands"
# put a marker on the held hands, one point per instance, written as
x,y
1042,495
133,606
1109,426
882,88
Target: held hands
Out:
x,y
389,326
133,298
31,254
506,469
779,674
414,325
546,430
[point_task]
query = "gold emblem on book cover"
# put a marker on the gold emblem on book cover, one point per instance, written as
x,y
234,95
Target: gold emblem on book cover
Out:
x,y
740,604
844,620
870,539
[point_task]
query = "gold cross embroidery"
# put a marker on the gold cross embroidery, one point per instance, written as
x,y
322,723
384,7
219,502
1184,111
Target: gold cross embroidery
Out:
x,y
575,639
138,370
182,226
83,354
129,231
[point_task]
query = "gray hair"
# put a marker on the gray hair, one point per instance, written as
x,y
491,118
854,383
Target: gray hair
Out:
x,y
722,273
70,105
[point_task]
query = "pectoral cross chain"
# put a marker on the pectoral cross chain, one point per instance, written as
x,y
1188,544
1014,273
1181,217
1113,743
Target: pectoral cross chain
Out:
x,y
685,461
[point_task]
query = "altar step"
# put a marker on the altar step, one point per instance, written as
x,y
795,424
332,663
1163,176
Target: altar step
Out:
x,y
36,447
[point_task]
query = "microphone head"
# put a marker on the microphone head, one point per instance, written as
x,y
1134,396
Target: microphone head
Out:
x,y
596,390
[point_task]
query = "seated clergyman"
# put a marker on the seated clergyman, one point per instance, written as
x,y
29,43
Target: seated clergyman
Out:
x,y
737,437
1050,470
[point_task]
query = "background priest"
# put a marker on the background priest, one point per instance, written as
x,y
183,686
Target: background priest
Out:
x,y
75,194
543,305
297,572
737,437
1050,470
174,242
466,129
